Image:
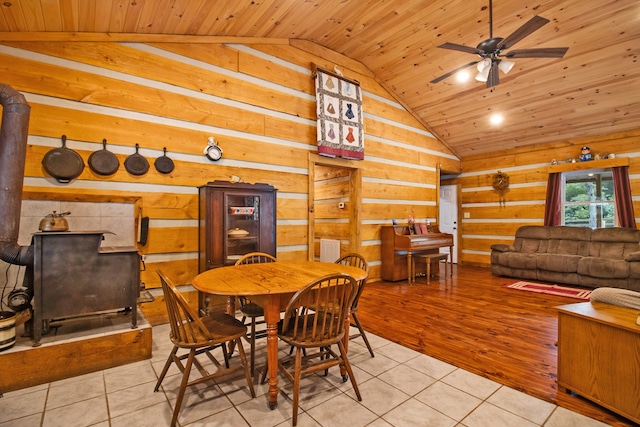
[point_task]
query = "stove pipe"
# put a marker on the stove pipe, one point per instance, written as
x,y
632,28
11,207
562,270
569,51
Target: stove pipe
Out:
x,y
13,152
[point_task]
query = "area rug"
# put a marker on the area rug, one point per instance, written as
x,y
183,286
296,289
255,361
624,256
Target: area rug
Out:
x,y
543,288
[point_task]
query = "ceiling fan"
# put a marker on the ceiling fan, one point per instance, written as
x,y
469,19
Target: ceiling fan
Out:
x,y
492,50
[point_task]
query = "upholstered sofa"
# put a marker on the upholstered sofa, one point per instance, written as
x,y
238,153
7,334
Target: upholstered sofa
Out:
x,y
572,255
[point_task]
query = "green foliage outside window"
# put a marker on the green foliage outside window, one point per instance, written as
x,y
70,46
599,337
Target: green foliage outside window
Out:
x,y
589,200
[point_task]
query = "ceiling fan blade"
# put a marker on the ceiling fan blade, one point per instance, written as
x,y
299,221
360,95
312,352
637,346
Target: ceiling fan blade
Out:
x,y
543,52
494,77
529,27
460,47
451,73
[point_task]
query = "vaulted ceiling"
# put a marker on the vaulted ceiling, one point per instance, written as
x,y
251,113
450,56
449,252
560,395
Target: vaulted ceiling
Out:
x,y
594,90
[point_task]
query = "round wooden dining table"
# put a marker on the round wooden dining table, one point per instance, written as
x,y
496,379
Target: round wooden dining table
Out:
x,y
271,285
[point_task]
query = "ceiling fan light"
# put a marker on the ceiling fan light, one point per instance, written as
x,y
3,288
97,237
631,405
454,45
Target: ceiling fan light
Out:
x,y
485,63
483,75
506,66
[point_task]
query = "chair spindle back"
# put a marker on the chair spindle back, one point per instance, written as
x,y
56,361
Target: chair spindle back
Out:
x,y
329,299
186,328
355,260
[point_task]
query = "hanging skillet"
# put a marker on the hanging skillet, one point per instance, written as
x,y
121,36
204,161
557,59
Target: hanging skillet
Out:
x,y
62,163
136,164
164,164
103,162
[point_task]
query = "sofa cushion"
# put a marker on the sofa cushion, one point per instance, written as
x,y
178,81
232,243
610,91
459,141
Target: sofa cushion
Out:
x,y
632,257
558,277
566,240
610,250
564,232
568,247
596,282
531,246
559,263
517,260
627,235
603,267
634,272
532,239
614,243
522,273
539,232
501,247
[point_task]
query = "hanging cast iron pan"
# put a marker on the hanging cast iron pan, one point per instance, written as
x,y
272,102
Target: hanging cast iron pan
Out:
x,y
164,164
63,163
103,162
136,164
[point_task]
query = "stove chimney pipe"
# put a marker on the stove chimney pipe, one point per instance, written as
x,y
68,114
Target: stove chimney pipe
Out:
x,y
13,152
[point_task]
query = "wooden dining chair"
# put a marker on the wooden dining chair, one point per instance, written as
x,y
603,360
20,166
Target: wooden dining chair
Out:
x,y
357,260
251,310
199,335
319,328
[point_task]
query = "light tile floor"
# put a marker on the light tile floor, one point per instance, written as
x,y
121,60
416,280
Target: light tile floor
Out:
x,y
400,387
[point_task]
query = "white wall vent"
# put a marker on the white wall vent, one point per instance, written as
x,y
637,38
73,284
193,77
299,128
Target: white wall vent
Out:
x,y
329,250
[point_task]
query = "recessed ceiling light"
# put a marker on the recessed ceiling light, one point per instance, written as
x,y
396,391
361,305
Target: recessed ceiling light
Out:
x,y
496,119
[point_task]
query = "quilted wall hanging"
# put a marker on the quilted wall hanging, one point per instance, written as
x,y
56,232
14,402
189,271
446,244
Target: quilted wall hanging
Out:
x,y
339,109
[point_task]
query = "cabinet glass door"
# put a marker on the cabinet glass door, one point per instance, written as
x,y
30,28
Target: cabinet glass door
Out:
x,y
242,225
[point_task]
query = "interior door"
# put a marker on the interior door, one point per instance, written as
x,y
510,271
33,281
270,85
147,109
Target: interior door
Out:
x,y
353,205
449,217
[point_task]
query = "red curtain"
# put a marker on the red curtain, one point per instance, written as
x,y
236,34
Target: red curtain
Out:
x,y
553,204
622,192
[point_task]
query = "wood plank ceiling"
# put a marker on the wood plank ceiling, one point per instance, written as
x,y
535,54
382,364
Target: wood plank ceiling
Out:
x,y
594,90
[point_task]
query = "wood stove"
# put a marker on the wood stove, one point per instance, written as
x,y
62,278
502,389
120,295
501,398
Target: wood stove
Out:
x,y
73,275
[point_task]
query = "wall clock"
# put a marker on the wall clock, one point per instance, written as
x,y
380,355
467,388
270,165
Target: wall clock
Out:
x,y
212,150
500,181
214,153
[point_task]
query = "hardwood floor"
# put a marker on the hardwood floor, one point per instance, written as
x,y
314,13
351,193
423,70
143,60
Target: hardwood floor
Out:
x,y
471,321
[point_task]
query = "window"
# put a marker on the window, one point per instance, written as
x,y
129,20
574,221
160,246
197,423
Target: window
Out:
x,y
588,199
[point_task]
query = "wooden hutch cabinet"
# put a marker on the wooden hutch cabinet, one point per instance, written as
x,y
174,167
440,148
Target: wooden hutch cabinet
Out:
x,y
235,219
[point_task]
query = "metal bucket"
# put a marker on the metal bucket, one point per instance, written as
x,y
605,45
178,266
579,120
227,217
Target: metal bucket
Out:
x,y
7,330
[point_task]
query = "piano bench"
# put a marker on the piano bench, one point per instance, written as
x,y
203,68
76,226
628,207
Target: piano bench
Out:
x,y
431,258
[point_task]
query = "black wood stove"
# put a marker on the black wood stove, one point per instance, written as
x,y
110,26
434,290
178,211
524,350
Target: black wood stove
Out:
x,y
73,275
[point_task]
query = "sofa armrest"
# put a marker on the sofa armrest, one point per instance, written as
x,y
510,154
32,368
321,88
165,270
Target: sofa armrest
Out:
x,y
633,256
501,247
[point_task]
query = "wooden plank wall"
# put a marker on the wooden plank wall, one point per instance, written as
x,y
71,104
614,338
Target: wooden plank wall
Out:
x,y
256,99
494,218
